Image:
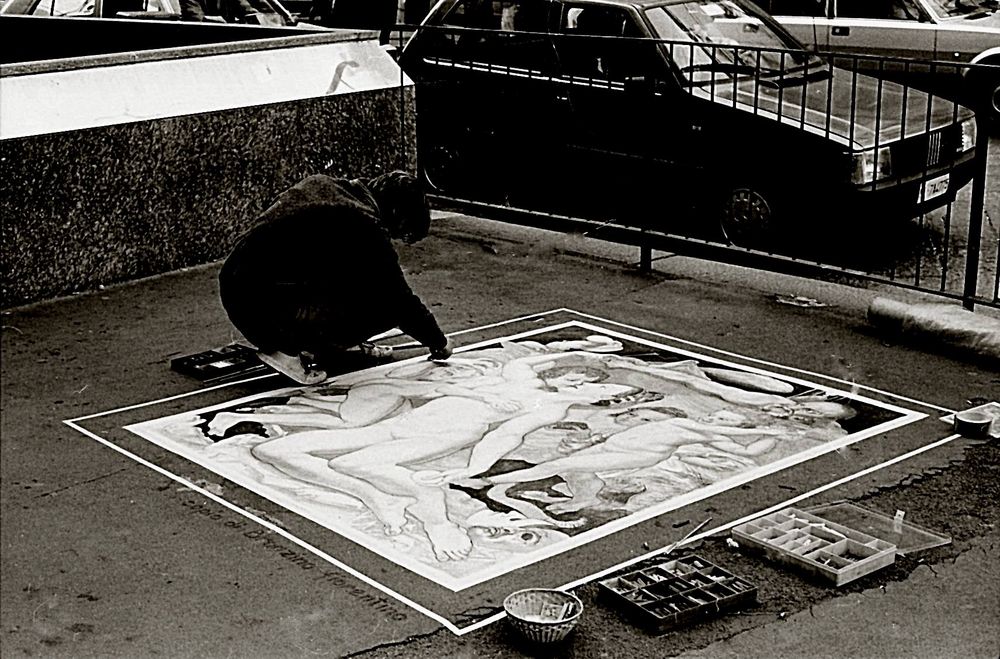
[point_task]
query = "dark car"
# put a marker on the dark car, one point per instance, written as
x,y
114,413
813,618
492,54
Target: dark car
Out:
x,y
619,107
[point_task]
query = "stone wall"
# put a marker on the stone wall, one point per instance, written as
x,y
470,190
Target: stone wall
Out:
x,y
115,171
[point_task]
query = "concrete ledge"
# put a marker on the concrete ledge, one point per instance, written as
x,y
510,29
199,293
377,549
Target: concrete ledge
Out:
x,y
126,167
943,326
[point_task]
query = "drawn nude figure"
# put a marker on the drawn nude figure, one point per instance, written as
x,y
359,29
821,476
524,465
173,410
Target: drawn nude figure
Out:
x,y
365,402
373,463
651,436
689,384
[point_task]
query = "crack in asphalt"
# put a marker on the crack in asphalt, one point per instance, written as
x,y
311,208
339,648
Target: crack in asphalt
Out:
x,y
79,483
393,644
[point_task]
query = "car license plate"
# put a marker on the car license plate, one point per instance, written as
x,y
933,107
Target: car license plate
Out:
x,y
934,187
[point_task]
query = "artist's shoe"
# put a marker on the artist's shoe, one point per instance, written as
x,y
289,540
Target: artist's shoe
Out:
x,y
292,367
375,351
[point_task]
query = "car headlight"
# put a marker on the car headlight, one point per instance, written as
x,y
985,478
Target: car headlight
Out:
x,y
871,165
968,135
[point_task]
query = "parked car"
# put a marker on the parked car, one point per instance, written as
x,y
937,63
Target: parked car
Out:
x,y
634,108
952,31
270,12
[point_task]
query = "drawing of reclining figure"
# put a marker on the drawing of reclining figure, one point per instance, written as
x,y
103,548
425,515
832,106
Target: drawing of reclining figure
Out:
x,y
375,463
652,436
376,397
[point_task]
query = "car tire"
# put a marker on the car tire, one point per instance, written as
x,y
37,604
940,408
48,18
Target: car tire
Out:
x,y
986,94
747,216
462,166
993,103
441,167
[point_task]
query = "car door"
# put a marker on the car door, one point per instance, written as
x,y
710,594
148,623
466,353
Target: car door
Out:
x,y
611,75
799,18
485,96
888,28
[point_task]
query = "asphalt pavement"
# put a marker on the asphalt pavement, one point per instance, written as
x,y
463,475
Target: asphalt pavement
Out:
x,y
105,556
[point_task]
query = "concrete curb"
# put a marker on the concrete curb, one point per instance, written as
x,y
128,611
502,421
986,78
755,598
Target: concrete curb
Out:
x,y
941,325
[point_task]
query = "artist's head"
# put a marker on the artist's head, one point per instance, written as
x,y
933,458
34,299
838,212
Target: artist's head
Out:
x,y
403,208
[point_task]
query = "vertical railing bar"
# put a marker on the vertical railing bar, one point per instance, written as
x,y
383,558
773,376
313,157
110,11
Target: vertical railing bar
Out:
x,y
781,87
945,258
805,94
829,97
977,212
756,87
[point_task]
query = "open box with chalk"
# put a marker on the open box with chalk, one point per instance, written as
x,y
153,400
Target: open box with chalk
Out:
x,y
231,361
815,545
674,593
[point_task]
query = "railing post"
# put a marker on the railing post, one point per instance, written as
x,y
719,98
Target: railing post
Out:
x,y
645,256
976,212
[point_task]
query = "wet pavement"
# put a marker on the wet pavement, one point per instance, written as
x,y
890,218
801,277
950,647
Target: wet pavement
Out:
x,y
105,556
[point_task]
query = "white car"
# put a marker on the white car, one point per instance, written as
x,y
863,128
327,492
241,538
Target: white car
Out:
x,y
955,31
269,12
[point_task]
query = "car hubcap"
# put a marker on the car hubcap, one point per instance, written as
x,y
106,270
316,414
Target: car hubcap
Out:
x,y
747,216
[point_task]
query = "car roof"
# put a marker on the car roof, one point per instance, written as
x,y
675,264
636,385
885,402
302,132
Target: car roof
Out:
x,y
639,4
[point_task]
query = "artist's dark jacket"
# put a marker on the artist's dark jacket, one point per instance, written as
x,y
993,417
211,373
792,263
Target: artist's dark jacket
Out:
x,y
321,244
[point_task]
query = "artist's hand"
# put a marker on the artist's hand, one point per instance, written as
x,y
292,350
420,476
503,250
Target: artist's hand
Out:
x,y
441,354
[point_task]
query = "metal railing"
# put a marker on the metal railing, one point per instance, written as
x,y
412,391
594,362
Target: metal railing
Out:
x,y
681,147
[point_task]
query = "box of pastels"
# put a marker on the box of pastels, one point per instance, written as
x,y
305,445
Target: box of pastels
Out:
x,y
676,593
831,551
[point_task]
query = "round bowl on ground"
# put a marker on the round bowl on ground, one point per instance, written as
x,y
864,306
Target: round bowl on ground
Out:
x,y
543,615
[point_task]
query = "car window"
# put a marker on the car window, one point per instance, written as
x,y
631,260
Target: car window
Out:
x,y
510,33
967,8
63,8
814,8
507,15
901,10
722,38
603,43
111,8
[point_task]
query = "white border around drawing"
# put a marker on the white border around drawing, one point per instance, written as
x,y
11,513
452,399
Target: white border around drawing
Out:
x,y
907,416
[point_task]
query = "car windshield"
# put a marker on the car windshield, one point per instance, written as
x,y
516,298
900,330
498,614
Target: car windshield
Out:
x,y
963,8
726,39
60,8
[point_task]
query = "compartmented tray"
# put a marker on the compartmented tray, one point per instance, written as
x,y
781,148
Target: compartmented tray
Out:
x,y
675,593
229,361
829,550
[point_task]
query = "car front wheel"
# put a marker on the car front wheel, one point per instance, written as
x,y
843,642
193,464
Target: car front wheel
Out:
x,y
986,90
747,216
